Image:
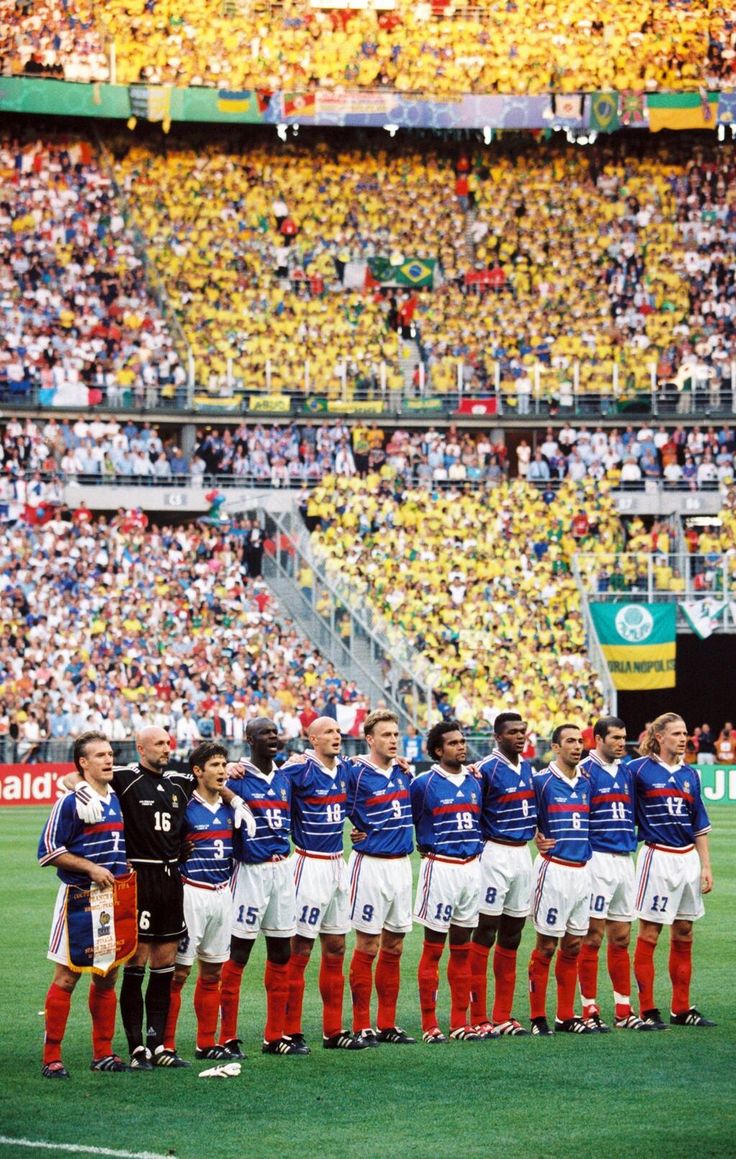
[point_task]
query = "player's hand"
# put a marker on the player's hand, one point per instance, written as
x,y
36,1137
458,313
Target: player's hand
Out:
x,y
187,849
706,880
235,770
357,835
243,816
101,876
89,805
543,844
404,764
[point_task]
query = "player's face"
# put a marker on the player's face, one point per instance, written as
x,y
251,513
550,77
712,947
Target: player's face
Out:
x,y
213,776
327,740
154,749
613,745
384,740
512,739
672,740
452,751
569,748
265,741
97,763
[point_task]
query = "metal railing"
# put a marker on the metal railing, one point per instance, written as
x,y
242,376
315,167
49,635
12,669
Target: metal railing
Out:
x,y
595,652
655,577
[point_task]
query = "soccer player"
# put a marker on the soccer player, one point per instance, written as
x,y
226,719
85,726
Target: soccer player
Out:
x,y
561,894
263,892
508,822
378,804
446,804
319,795
84,855
612,840
154,807
206,871
673,867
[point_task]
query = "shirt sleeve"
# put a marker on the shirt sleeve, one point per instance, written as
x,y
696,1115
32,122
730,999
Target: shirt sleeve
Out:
x,y
417,792
701,820
60,829
183,780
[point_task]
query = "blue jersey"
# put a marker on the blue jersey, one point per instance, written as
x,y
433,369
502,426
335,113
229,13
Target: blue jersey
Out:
x,y
447,815
379,805
509,807
318,800
563,810
209,828
269,800
612,806
669,808
103,842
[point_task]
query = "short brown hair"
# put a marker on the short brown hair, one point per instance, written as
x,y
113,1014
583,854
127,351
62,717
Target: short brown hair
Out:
x,y
81,742
378,716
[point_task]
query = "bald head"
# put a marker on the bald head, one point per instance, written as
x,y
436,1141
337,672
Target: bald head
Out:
x,y
324,737
154,748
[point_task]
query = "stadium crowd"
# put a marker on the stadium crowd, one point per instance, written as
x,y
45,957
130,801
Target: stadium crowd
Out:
x,y
79,319
526,47
478,567
105,624
36,455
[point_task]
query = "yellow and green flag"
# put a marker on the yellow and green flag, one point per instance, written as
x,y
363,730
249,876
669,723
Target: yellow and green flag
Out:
x,y
638,641
682,110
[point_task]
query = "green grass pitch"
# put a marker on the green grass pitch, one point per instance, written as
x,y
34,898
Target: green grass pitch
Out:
x,y
668,1095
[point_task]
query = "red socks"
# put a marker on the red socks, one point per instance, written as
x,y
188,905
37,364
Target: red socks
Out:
x,y
566,977
297,965
538,978
644,973
331,988
361,986
504,973
479,983
588,975
388,972
172,1017
103,1006
56,1012
458,975
428,976
681,969
207,1008
619,971
232,976
276,981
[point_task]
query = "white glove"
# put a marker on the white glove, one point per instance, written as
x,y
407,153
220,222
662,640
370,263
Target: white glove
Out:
x,y
230,1070
243,816
89,805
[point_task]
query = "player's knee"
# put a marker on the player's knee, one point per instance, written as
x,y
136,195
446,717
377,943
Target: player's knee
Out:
x,y
570,946
278,950
240,949
390,943
509,941
682,931
594,938
333,945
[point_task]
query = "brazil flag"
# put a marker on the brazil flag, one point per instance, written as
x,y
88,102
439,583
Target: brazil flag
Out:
x,y
638,641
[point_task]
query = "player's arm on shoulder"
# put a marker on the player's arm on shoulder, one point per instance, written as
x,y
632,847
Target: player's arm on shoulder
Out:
x,y
706,872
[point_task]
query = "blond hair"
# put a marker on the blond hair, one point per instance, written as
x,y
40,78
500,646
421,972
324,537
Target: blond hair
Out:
x,y
378,716
650,745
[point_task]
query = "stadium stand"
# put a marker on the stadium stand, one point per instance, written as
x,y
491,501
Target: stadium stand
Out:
x,y
528,46
105,623
479,586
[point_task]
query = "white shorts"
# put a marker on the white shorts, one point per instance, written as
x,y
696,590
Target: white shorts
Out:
x,y
263,900
668,885
207,914
380,893
612,887
59,938
448,893
322,903
561,898
506,879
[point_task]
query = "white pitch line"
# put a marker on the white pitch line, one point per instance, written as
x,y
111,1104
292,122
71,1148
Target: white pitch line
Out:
x,y
78,1149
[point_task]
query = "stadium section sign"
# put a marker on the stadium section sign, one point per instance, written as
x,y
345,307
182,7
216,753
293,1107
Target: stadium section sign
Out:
x,y
638,641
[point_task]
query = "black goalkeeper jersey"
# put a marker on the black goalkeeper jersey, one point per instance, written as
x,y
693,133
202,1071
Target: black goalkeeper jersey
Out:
x,y
153,813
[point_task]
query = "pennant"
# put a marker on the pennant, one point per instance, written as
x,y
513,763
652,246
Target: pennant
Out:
x,y
237,103
703,615
567,106
682,110
638,641
631,107
604,112
102,925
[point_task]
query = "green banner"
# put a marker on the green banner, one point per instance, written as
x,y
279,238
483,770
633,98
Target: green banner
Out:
x,y
718,783
422,404
638,641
